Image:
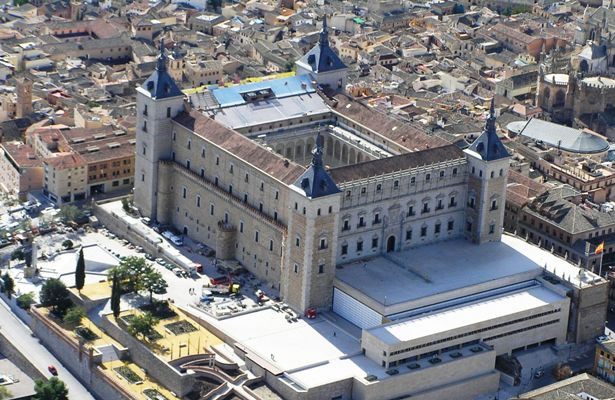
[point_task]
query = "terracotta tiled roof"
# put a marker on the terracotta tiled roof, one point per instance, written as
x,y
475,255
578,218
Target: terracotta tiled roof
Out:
x,y
240,146
402,133
396,163
22,154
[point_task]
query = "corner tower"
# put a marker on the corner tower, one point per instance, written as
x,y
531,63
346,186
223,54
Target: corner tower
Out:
x,y
159,100
322,64
309,258
488,162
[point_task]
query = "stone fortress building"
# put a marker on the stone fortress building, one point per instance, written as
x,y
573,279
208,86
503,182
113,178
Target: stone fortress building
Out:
x,y
340,207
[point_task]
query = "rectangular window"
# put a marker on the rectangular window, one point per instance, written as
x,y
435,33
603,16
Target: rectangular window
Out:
x,y
437,228
425,208
297,241
198,201
377,219
296,268
256,236
321,268
277,195
344,249
412,180
492,228
451,225
360,246
346,226
361,222
409,234
411,211
453,202
240,226
168,112
323,244
189,144
184,192
423,231
374,243
271,245
211,209
440,206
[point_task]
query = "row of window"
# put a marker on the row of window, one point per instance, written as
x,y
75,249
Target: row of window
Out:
x,y
396,183
489,328
450,226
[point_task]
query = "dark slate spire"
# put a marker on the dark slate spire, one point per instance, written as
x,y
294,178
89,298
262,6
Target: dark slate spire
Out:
x,y
488,145
324,33
160,84
322,58
161,65
317,152
316,181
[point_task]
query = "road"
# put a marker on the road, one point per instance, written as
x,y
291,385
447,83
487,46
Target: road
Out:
x,y
20,335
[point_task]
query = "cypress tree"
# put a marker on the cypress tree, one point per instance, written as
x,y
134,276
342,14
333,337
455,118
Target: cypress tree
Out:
x,y
80,271
115,296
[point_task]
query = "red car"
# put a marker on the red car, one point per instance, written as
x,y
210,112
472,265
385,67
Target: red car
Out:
x,y
52,370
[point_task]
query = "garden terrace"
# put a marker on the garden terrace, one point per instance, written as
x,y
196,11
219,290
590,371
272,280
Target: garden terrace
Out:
x,y
176,336
138,383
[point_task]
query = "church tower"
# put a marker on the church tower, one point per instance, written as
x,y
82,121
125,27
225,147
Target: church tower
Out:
x,y
159,100
24,97
488,162
309,259
323,65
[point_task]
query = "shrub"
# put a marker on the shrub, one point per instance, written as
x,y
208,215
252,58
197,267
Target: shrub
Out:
x,y
25,301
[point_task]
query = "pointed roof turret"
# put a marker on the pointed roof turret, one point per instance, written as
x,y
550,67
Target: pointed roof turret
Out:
x,y
324,33
316,181
322,58
161,64
488,145
160,84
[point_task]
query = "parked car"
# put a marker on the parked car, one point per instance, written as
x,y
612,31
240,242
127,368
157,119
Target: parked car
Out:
x,y
52,370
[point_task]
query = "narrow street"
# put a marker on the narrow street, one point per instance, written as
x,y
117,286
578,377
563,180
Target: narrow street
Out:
x,y
21,337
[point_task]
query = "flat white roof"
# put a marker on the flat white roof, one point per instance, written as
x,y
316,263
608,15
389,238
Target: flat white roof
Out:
x,y
293,345
471,315
444,267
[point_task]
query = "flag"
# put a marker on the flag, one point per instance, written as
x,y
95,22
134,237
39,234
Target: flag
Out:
x,y
600,248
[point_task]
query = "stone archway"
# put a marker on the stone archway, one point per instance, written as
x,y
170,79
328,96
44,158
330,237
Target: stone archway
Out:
x,y
391,243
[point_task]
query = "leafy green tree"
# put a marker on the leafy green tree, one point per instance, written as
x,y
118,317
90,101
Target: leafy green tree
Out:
x,y
116,295
130,272
126,205
68,244
142,325
8,285
69,213
5,393
25,301
73,316
53,389
54,294
153,282
80,271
